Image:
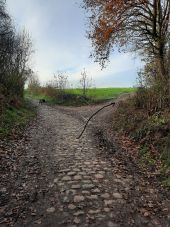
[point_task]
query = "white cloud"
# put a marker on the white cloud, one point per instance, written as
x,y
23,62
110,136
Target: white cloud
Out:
x,y
57,28
118,64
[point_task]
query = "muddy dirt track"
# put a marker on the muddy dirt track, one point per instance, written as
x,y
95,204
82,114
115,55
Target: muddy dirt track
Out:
x,y
52,179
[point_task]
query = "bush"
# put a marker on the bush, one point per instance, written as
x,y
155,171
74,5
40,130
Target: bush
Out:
x,y
14,56
153,93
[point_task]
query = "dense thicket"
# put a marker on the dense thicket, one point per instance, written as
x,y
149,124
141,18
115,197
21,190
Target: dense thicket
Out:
x,y
15,49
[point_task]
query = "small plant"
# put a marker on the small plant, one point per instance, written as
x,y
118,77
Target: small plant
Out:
x,y
166,182
143,151
13,119
166,167
157,119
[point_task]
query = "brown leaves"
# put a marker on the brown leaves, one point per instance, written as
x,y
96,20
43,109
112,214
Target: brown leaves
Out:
x,y
103,31
124,22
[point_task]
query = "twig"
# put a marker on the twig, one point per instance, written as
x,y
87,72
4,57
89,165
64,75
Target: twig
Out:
x,y
111,104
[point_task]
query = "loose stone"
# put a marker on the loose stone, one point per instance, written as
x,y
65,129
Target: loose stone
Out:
x,y
102,172
71,206
73,191
121,201
86,181
87,163
77,177
105,196
64,170
118,181
71,173
94,162
85,192
108,202
91,172
66,199
66,178
71,182
92,197
101,216
76,170
106,209
102,162
117,195
55,180
86,177
3,190
78,213
88,186
78,198
93,211
118,176
96,181
61,209
77,220
96,190
51,185
76,186
82,173
99,176
38,222
51,210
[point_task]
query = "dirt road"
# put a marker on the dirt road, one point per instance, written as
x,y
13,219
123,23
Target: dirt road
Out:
x,y
58,180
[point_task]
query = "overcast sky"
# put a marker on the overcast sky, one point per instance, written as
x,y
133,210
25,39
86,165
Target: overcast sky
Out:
x,y
58,30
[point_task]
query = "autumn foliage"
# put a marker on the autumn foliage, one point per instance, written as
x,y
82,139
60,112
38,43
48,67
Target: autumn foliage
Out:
x,y
138,25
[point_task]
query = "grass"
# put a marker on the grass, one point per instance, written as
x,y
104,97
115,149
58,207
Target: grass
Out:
x,y
13,119
95,95
102,93
149,132
166,182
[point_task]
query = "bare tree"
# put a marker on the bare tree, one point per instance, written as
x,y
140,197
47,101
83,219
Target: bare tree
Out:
x,y
15,50
85,82
60,81
33,83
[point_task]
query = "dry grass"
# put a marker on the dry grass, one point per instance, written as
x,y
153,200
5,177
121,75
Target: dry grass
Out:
x,y
151,132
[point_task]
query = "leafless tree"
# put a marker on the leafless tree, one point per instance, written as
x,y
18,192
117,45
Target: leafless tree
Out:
x,y
60,81
85,82
15,50
33,83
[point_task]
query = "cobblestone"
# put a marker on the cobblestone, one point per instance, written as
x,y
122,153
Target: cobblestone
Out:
x,y
78,198
86,188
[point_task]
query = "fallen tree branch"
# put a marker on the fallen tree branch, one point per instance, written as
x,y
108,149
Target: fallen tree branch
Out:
x,y
111,104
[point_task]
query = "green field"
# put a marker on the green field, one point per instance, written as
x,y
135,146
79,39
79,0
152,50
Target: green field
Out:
x,y
102,93
95,95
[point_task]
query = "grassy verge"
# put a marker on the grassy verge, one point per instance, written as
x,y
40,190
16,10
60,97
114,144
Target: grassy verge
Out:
x,y
151,133
13,119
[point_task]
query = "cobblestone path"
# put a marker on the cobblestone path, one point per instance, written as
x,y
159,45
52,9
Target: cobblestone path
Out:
x,y
67,182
